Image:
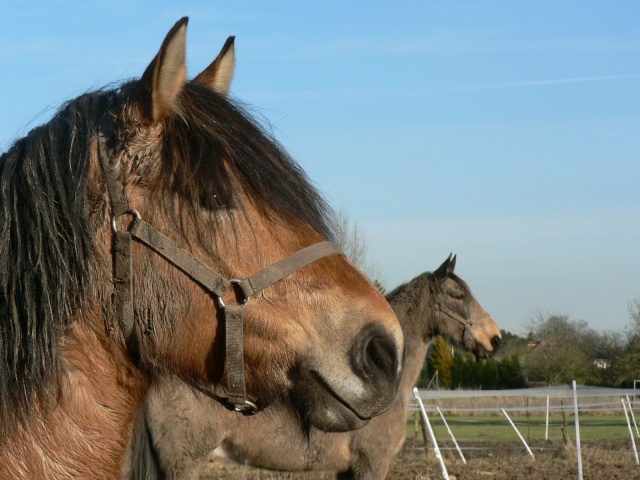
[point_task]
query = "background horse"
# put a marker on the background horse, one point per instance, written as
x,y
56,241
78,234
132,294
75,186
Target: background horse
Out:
x,y
180,428
199,193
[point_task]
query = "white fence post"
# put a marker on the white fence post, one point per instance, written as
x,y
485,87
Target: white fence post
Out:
x,y
464,460
546,430
575,412
518,432
633,417
436,450
633,440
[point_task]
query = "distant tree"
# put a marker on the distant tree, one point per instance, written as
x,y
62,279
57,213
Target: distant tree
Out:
x,y
472,372
489,377
351,239
442,361
512,344
628,361
606,349
489,374
511,373
562,354
380,286
508,337
634,314
459,371
353,242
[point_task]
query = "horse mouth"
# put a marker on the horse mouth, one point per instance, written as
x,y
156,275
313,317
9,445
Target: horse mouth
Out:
x,y
328,410
481,351
324,384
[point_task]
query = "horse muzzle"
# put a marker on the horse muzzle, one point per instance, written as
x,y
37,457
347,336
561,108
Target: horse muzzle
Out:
x,y
341,399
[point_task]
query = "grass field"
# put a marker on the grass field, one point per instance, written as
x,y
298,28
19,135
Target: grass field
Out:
x,y
493,451
492,448
495,427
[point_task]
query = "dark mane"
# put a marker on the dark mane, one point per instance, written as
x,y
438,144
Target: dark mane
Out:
x,y
212,139
45,228
412,294
406,287
44,246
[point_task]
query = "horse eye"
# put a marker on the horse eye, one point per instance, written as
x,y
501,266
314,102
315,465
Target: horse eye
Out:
x,y
213,203
457,294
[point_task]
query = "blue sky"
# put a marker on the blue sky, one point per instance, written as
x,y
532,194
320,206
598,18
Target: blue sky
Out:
x,y
505,132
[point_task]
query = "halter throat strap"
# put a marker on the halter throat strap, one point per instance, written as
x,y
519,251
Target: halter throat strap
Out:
x,y
211,281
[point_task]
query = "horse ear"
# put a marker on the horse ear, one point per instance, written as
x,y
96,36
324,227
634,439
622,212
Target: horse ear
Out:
x,y
446,268
219,74
166,74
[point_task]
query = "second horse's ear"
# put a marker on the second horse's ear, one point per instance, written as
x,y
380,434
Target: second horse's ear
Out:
x,y
219,74
452,265
447,267
166,74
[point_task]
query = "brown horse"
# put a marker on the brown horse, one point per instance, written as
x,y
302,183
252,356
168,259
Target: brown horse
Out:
x,y
180,428
121,221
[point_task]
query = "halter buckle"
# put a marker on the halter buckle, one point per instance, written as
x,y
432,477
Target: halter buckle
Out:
x,y
235,281
246,408
132,212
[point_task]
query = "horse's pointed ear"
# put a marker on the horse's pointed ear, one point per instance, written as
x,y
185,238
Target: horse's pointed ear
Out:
x,y
443,270
166,74
452,264
219,74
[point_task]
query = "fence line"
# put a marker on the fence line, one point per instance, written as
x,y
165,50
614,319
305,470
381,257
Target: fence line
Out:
x,y
553,393
542,396
560,391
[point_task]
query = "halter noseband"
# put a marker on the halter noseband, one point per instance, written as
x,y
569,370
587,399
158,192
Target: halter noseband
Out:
x,y
199,272
467,323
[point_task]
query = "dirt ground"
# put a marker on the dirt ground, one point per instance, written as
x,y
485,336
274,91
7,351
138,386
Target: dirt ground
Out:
x,y
600,461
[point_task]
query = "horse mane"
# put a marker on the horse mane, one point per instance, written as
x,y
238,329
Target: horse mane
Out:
x,y
411,295
231,144
209,148
45,243
404,288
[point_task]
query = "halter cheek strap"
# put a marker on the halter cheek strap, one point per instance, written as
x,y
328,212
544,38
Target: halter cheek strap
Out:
x,y
199,272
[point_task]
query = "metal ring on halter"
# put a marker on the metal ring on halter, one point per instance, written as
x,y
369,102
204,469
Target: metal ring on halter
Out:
x,y
245,302
249,408
133,212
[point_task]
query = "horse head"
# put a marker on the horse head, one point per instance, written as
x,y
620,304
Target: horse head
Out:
x,y
197,169
458,316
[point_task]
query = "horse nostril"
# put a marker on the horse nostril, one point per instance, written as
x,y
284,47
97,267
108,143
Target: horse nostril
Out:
x,y
375,357
381,355
496,342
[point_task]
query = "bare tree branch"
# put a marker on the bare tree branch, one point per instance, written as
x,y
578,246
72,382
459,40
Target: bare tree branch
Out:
x,y
353,242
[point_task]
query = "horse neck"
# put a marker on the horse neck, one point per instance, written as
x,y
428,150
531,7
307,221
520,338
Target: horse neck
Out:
x,y
414,309
85,434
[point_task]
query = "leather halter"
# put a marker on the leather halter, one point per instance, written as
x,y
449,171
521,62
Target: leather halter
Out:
x,y
467,323
199,272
